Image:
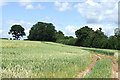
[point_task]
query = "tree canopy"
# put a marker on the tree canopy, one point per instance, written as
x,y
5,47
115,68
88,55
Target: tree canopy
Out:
x,y
59,35
99,39
117,34
117,31
87,37
84,36
17,31
42,32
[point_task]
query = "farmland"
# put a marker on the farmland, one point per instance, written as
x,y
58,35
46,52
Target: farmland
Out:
x,y
35,59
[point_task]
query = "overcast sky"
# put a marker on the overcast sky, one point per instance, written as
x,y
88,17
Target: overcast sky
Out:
x,y
65,16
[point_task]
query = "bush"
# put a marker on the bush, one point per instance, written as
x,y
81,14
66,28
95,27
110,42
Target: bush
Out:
x,y
70,41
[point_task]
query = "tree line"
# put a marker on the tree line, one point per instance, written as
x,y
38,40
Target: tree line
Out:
x,y
85,36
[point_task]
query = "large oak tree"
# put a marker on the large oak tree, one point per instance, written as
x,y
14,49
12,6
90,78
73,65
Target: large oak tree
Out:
x,y
84,36
42,32
17,31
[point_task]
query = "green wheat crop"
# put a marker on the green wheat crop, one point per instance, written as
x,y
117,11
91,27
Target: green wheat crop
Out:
x,y
35,59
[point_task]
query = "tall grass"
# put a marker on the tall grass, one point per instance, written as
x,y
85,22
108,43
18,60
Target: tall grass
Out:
x,y
35,59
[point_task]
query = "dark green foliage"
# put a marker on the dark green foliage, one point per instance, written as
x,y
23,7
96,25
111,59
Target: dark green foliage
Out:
x,y
101,51
84,36
87,37
59,36
117,34
4,38
117,31
99,40
68,40
118,42
17,31
68,37
118,59
112,42
42,32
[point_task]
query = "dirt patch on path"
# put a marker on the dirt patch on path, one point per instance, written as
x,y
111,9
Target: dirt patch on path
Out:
x,y
96,58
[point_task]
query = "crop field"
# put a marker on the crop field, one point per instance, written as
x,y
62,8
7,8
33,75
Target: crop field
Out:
x,y
35,59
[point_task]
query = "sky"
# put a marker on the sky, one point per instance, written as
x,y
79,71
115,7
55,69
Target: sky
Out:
x,y
65,16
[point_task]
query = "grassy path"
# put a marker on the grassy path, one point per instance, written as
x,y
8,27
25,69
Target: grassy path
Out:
x,y
114,65
35,59
83,74
105,62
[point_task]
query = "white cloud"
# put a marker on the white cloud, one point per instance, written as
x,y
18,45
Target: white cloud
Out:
x,y
95,12
19,22
108,29
1,32
70,30
3,3
29,6
39,7
90,2
109,0
25,2
27,31
62,6
9,35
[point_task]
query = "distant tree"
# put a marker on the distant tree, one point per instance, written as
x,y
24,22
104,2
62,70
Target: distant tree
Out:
x,y
117,31
42,32
59,35
99,39
10,38
70,41
17,31
117,34
84,36
68,37
112,42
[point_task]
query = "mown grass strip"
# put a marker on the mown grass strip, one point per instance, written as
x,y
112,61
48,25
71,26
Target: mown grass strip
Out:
x,y
101,51
102,69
